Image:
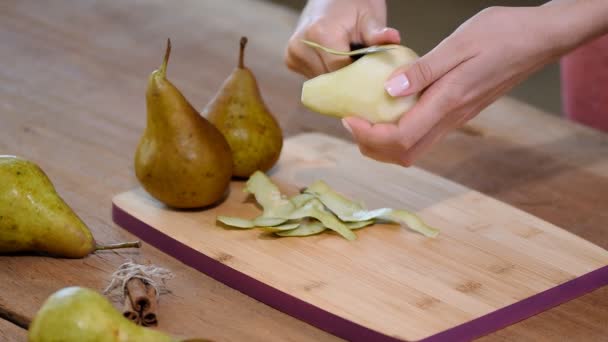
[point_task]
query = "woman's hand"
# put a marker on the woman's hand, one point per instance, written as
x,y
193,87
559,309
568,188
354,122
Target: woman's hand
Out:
x,y
336,24
480,61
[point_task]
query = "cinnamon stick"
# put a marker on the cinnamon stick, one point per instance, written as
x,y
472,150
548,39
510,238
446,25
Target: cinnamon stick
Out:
x,y
148,315
129,312
137,292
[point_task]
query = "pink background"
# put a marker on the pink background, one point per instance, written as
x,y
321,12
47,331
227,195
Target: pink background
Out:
x,y
584,75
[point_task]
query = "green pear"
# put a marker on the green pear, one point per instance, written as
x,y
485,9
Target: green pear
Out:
x,y
182,160
239,112
358,88
77,314
34,218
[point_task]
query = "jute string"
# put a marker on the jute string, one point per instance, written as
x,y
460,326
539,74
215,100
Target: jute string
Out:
x,y
150,274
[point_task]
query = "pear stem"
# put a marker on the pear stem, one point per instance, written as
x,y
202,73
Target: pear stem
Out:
x,y
242,52
163,67
133,244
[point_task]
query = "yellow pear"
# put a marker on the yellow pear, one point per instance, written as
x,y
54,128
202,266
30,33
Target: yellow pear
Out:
x,y
182,159
34,218
240,113
78,314
358,88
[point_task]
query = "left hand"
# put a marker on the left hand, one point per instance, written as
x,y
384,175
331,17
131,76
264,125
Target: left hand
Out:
x,y
484,58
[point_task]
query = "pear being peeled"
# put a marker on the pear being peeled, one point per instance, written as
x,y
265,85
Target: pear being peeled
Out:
x,y
358,88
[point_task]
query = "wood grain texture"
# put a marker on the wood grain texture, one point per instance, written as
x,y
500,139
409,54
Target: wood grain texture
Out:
x,y
11,333
72,99
72,83
488,255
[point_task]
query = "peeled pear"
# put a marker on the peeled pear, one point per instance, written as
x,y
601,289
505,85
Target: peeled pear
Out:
x,y
240,113
358,88
182,160
34,218
77,314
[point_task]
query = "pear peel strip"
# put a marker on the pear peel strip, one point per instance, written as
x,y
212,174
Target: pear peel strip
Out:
x,y
350,211
337,203
263,221
412,221
307,228
359,225
318,204
315,209
236,222
268,195
362,51
277,224
266,223
283,227
278,209
301,199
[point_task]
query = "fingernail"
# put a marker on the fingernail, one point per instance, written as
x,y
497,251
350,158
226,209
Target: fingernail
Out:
x,y
347,126
397,85
382,30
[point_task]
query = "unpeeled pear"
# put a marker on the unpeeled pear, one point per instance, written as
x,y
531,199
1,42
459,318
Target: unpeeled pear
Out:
x,y
240,113
77,314
34,218
358,88
182,159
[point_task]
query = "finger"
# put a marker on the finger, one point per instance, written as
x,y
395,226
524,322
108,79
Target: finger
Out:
x,y
386,35
299,58
377,141
312,61
373,31
413,78
306,66
425,143
437,133
448,122
378,35
376,136
312,64
379,156
394,142
335,39
295,64
443,97
449,103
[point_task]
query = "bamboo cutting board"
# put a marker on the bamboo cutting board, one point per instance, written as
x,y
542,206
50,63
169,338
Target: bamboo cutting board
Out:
x,y
492,264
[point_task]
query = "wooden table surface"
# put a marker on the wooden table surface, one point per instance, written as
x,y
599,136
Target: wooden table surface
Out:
x,y
11,332
72,81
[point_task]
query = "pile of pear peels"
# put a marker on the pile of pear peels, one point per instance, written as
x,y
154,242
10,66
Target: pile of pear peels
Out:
x,y
316,209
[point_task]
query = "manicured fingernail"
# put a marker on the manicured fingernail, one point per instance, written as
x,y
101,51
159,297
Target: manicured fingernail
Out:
x,y
397,85
382,30
347,126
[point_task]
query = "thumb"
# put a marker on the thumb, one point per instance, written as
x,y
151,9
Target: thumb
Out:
x,y
374,33
415,77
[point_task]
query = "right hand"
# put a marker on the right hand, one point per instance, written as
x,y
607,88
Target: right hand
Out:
x,y
336,24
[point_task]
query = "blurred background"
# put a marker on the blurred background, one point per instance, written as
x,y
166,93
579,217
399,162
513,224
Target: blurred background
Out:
x,y
424,23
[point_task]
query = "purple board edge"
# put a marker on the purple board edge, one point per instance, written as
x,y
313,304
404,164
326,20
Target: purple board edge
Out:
x,y
342,327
